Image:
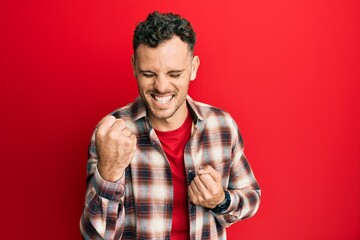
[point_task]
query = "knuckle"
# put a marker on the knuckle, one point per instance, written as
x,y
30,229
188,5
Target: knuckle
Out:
x,y
126,131
133,138
112,135
120,120
99,132
127,142
111,118
108,119
203,177
214,191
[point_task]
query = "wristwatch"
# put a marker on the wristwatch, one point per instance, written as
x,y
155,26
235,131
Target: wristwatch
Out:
x,y
224,205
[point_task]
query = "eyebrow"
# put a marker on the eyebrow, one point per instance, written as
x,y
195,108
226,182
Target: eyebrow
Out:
x,y
176,71
145,71
141,71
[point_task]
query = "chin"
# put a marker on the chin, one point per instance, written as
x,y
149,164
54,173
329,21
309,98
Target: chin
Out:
x,y
162,114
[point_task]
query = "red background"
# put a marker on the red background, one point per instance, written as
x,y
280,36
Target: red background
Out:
x,y
287,71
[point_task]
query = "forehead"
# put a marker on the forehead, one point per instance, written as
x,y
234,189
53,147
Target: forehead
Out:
x,y
170,54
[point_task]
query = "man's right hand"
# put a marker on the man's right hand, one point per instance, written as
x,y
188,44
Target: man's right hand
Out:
x,y
115,145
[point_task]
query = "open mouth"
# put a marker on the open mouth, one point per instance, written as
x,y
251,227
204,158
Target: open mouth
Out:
x,y
162,99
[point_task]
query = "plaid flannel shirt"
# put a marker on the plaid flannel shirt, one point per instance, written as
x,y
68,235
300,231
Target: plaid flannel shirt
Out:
x,y
139,204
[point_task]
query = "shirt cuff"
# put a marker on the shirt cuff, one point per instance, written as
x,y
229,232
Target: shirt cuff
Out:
x,y
113,191
236,202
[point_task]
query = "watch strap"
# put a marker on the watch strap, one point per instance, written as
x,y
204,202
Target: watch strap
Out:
x,y
224,205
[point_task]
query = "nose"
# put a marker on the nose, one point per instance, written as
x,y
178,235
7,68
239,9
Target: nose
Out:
x,y
161,83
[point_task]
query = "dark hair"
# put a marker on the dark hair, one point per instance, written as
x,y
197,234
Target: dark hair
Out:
x,y
159,27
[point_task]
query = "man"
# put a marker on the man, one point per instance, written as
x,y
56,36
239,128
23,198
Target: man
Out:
x,y
166,166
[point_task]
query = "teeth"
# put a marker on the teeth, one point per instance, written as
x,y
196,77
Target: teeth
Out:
x,y
163,100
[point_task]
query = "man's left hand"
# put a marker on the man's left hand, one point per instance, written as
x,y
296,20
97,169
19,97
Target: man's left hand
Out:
x,y
206,189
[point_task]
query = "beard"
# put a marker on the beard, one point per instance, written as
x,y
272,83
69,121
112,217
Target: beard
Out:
x,y
166,112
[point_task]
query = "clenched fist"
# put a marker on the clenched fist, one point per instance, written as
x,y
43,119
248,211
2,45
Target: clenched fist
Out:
x,y
206,189
115,145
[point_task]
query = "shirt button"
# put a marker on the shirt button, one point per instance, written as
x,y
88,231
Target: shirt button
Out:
x,y
117,192
191,175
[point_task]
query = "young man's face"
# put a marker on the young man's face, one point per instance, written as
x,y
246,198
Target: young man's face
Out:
x,y
163,75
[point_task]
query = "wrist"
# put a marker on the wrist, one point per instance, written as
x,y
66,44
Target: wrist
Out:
x,y
110,175
224,205
223,197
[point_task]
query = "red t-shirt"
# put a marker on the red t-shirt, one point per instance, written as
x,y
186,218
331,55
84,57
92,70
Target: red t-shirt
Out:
x,y
173,143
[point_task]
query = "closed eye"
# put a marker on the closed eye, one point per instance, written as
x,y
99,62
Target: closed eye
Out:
x,y
148,75
174,75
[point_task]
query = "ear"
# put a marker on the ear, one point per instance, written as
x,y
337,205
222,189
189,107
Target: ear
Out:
x,y
133,64
194,67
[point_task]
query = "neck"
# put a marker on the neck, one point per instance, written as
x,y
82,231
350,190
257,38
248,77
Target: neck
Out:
x,y
172,123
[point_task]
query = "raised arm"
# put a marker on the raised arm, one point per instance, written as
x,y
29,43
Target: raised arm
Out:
x,y
111,150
